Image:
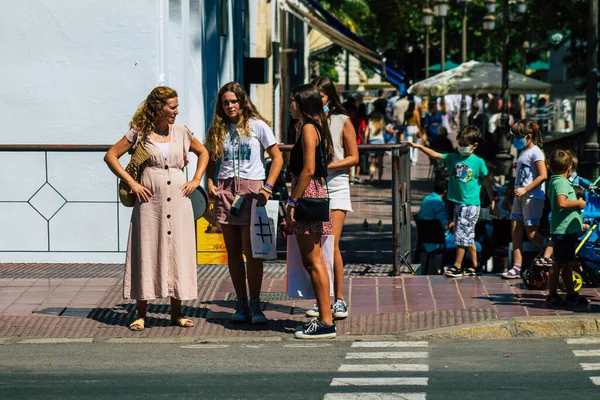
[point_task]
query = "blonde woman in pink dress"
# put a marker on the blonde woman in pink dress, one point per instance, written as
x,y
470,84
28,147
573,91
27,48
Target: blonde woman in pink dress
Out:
x,y
161,249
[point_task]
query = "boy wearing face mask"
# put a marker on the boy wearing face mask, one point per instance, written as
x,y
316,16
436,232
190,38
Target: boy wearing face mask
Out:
x,y
467,173
529,191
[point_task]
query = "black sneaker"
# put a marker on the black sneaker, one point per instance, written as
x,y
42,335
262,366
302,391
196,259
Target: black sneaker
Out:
x,y
242,311
315,329
339,309
577,299
258,316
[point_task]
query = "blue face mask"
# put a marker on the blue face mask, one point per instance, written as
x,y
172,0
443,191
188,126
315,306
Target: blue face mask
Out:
x,y
519,143
325,109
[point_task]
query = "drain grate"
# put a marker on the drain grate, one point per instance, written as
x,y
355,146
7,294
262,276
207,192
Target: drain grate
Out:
x,y
268,296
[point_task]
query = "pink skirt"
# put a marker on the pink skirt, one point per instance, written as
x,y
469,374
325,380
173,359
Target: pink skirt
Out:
x,y
225,195
315,190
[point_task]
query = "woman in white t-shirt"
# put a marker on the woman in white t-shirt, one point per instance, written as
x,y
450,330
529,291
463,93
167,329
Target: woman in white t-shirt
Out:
x,y
345,156
237,140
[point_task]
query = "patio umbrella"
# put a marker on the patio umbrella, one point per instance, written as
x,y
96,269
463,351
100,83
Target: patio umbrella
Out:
x,y
477,77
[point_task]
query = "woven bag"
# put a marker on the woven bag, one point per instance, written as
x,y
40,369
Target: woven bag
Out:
x,y
133,168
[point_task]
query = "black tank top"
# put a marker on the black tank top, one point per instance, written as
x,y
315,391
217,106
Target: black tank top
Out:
x,y
297,155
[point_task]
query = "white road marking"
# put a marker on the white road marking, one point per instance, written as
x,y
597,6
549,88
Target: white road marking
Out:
x,y
375,396
590,366
387,354
308,345
383,367
586,353
390,344
56,340
583,341
379,381
205,346
595,380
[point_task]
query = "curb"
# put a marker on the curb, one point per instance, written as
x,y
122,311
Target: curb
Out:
x,y
519,327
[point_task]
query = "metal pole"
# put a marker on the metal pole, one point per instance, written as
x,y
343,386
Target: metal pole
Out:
x,y
427,52
504,159
397,250
591,148
443,62
464,34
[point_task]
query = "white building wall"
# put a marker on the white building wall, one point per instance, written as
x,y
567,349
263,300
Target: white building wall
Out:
x,y
74,72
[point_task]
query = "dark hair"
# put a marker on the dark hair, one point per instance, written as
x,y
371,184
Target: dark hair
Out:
x,y
410,111
325,85
441,186
470,134
380,92
527,127
559,161
442,131
308,99
575,160
494,106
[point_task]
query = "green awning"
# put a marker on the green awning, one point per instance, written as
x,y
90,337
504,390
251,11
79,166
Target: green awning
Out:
x,y
438,67
538,66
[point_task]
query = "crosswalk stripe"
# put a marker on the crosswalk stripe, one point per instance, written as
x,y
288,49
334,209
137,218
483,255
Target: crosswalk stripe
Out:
x,y
390,344
595,380
375,396
383,367
583,341
590,366
586,353
379,381
387,354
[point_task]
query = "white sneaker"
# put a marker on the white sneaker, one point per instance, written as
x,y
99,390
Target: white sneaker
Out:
x,y
339,309
313,312
513,273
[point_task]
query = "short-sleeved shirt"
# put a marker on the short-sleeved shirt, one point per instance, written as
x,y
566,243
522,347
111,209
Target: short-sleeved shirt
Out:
x,y
248,151
432,208
563,220
527,171
464,183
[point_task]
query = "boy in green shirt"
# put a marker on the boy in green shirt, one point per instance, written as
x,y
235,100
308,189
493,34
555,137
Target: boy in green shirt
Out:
x,y
565,224
467,171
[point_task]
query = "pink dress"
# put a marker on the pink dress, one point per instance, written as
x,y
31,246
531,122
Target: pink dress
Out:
x,y
161,250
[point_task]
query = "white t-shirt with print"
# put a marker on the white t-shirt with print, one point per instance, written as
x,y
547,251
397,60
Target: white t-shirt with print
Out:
x,y
248,151
527,171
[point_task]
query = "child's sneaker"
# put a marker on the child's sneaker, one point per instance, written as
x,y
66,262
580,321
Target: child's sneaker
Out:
x,y
577,298
454,272
513,273
315,329
339,309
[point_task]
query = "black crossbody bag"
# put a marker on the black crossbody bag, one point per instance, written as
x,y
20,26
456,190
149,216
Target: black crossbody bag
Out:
x,y
314,209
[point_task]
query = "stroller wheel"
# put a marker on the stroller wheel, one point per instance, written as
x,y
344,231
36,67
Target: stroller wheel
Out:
x,y
526,273
539,279
577,281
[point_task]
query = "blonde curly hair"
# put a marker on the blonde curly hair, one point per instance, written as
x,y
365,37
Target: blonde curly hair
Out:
x,y
148,112
215,139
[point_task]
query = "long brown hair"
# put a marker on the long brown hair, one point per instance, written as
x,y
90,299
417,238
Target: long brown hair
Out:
x,y
215,139
527,127
308,99
325,85
146,117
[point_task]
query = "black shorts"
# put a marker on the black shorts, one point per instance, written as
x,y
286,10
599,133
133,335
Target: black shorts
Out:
x,y
564,247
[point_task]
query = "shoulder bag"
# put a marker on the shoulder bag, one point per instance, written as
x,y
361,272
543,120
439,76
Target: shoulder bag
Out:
x,y
133,168
311,209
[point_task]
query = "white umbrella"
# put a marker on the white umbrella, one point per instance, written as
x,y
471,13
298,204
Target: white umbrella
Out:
x,y
477,77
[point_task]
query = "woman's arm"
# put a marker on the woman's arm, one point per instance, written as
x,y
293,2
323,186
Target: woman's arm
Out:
x,y
276,165
199,150
309,144
418,119
111,158
210,175
350,148
542,176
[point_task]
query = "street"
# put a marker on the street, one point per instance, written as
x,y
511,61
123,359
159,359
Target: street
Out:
x,y
287,369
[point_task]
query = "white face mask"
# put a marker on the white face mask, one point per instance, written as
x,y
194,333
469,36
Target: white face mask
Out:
x,y
465,151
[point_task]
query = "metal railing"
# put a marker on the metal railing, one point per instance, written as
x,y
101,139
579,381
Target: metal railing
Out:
x,y
400,197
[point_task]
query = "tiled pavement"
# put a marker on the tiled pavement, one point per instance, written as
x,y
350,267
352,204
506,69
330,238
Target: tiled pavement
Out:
x,y
85,300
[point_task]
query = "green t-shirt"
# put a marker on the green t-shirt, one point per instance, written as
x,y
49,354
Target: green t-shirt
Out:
x,y
563,220
464,183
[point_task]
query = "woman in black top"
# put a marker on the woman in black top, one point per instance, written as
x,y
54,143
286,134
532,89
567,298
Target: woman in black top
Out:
x,y
311,154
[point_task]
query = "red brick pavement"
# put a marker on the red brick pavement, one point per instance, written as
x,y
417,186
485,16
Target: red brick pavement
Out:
x,y
94,307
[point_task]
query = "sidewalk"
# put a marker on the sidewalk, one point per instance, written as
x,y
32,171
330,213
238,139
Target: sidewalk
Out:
x,y
85,300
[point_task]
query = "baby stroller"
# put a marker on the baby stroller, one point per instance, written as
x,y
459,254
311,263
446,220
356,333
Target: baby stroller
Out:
x,y
587,254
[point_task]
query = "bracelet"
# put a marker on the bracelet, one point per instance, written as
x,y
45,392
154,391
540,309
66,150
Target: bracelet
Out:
x,y
266,189
292,203
268,185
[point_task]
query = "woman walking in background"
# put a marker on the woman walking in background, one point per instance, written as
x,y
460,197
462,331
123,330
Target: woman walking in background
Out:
x,y
161,250
237,141
309,158
413,128
345,156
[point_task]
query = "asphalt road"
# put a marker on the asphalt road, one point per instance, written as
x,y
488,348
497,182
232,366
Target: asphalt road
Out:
x,y
505,369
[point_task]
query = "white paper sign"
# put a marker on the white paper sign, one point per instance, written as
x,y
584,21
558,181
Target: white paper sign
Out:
x,y
298,280
263,230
